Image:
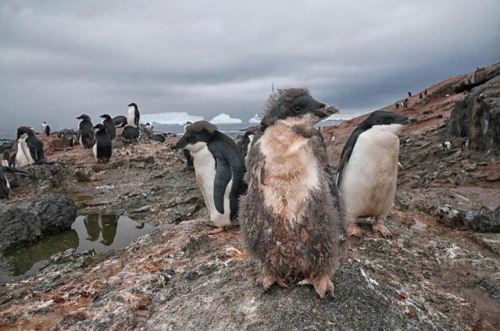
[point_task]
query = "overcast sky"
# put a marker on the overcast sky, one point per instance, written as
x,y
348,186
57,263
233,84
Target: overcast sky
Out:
x,y
59,59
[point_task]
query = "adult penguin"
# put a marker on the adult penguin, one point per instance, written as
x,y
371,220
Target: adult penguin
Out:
x,y
86,135
120,121
368,170
109,125
133,115
102,148
219,169
32,147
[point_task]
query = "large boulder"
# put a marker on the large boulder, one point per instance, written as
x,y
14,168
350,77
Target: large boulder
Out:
x,y
477,117
56,211
30,221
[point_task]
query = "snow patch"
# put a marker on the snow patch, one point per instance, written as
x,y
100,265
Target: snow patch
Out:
x,y
225,119
179,118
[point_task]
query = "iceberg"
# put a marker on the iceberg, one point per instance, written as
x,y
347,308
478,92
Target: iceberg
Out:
x,y
179,118
225,119
256,119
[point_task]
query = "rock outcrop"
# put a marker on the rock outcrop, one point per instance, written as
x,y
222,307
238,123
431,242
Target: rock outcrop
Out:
x,y
477,116
28,222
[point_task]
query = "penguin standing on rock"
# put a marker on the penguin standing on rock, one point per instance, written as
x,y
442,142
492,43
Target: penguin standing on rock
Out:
x,y
109,125
4,185
46,128
219,169
368,170
5,158
102,147
187,153
133,115
29,148
86,131
288,216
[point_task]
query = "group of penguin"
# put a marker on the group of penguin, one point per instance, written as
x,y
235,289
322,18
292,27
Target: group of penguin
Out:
x,y
100,136
277,184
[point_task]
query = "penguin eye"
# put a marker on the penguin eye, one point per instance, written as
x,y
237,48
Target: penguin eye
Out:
x,y
296,108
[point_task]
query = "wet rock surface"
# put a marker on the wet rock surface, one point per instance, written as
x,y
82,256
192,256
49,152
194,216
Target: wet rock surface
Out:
x,y
428,277
35,218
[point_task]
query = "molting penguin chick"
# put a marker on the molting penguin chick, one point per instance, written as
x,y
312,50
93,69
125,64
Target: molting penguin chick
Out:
x,y
86,135
4,185
109,125
30,146
368,170
133,115
219,169
102,147
288,216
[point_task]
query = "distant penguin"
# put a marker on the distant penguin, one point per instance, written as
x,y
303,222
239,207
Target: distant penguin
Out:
x,y
158,137
409,94
102,147
133,115
368,170
34,147
23,154
120,121
148,130
5,158
46,128
187,153
4,185
405,103
420,96
446,145
109,125
465,144
288,216
86,135
425,92
397,105
219,169
130,133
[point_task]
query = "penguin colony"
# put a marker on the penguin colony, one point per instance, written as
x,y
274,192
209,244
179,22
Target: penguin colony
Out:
x,y
276,182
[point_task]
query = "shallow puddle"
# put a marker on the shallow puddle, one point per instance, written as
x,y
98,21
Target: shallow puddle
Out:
x,y
98,232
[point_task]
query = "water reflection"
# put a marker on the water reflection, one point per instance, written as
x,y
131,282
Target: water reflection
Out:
x,y
100,233
104,225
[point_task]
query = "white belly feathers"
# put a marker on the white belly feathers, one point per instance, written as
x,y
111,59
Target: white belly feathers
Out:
x,y
370,177
204,165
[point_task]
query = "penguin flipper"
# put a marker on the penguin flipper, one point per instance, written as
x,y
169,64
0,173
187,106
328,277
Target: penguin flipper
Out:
x,y
222,178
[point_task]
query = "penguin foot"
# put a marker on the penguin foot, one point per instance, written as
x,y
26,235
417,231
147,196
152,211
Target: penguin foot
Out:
x,y
217,231
353,230
267,280
322,284
382,230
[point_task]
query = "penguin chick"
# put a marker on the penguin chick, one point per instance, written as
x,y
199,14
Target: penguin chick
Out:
x,y
368,170
288,216
219,169
102,148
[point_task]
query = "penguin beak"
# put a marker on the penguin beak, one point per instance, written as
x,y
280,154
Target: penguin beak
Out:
x,y
325,111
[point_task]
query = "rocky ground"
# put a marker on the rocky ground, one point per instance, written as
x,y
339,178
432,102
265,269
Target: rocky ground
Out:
x,y
439,272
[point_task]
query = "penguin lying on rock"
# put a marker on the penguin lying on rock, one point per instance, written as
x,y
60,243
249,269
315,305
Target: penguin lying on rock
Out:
x,y
219,169
368,170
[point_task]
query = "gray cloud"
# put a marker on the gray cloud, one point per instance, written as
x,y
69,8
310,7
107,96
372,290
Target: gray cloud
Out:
x,y
59,59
